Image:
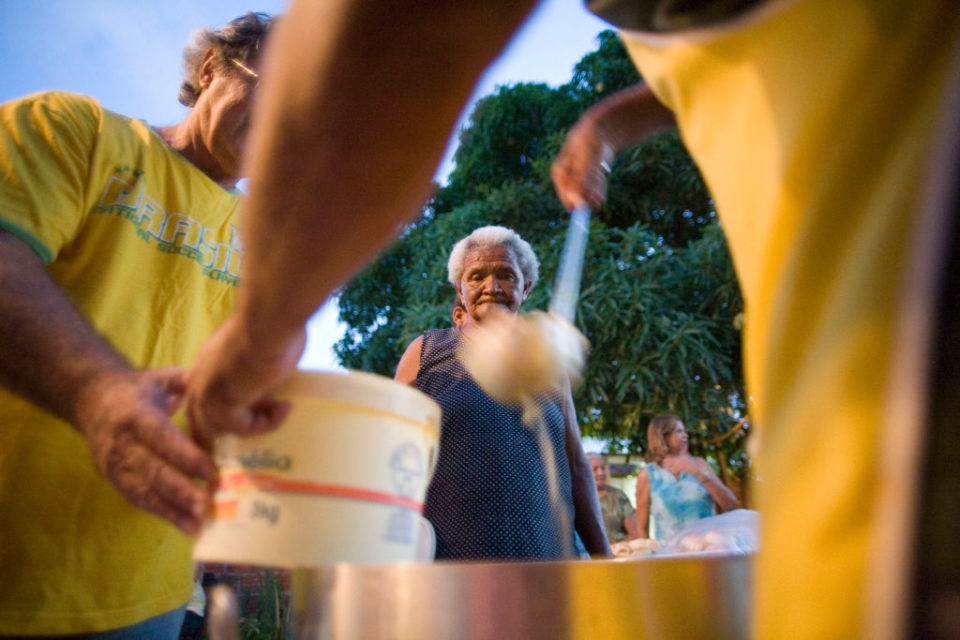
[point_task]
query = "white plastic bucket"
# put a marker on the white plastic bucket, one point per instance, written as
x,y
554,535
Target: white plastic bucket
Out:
x,y
342,480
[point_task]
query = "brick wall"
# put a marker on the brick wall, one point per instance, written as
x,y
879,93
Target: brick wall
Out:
x,y
248,583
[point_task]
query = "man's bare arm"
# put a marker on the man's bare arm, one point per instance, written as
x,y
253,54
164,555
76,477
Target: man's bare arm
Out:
x,y
55,359
358,101
615,122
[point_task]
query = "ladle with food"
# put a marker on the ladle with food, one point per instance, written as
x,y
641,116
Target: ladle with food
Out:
x,y
514,358
523,355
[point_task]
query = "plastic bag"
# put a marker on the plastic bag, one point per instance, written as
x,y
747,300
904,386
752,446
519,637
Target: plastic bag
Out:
x,y
733,533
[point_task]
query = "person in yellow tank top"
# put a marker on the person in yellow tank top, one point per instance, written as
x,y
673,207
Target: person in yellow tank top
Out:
x,y
119,255
816,126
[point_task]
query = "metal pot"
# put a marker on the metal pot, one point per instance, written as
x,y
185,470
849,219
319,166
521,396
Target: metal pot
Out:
x,y
686,596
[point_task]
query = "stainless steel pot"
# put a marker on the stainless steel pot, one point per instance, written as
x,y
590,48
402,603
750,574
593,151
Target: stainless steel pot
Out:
x,y
675,597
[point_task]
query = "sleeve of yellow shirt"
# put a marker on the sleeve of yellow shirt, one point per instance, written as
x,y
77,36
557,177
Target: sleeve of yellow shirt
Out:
x,y
46,142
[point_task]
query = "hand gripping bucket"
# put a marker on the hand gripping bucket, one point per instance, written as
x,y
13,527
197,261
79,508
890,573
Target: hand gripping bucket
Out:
x,y
342,480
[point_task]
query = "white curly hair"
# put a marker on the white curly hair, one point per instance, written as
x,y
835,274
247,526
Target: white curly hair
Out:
x,y
494,236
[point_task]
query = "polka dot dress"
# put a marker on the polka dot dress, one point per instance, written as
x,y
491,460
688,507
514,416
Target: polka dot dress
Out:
x,y
489,497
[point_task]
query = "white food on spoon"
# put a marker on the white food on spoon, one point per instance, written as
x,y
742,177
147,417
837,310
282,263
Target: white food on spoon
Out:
x,y
513,358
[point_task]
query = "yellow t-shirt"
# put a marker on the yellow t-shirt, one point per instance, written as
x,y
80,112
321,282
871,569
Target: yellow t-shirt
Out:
x,y
812,122
145,245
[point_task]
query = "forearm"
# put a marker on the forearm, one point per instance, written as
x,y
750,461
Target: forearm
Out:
x,y
359,100
643,522
54,358
51,354
722,496
627,117
580,168
643,504
588,518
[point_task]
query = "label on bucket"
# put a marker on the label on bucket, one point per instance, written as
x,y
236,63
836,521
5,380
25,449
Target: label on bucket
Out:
x,y
337,482
238,482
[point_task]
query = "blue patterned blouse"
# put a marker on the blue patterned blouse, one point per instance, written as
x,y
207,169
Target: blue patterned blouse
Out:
x,y
675,502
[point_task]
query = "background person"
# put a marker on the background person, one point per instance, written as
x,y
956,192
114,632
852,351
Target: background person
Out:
x,y
118,257
196,611
489,498
837,194
619,516
675,488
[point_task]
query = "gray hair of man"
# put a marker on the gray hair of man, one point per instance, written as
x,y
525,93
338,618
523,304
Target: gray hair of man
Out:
x,y
494,236
235,44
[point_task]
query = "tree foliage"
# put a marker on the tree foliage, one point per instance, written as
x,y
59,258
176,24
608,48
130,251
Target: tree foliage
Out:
x,y
660,301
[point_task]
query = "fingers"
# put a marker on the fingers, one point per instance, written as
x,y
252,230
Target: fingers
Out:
x,y
176,449
213,418
152,465
172,379
172,496
173,385
155,469
229,387
267,414
209,416
580,177
189,503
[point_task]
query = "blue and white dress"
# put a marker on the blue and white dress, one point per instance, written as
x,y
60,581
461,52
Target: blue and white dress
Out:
x,y
489,498
675,501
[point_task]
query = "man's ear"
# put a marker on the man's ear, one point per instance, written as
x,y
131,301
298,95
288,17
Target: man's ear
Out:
x,y
208,69
526,289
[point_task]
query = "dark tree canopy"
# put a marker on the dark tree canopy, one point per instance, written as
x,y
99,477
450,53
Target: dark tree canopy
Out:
x,y
660,302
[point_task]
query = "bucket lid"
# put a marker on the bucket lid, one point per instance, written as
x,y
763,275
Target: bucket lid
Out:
x,y
367,390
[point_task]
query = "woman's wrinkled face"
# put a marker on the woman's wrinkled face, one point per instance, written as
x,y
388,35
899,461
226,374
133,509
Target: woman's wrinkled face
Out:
x,y
491,281
677,440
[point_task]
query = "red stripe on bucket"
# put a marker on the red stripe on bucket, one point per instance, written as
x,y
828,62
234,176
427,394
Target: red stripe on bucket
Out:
x,y
267,482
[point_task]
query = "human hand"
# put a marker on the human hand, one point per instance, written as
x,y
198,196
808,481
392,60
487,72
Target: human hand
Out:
x,y
677,464
228,389
125,418
579,171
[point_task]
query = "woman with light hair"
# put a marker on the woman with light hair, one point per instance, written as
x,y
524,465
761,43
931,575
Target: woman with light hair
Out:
x,y
676,488
489,496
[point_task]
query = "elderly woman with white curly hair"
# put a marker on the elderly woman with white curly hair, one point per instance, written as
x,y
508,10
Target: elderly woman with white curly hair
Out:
x,y
489,496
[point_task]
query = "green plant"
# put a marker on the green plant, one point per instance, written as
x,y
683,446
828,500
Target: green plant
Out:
x,y
272,620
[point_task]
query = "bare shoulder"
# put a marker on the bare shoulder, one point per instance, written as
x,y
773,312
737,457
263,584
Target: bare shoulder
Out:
x,y
703,465
409,363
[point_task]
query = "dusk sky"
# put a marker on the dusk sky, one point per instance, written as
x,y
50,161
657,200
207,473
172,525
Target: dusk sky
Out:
x,y
127,55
